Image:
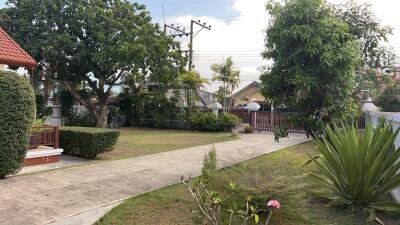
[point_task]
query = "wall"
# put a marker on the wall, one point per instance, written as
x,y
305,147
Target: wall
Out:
x,y
394,119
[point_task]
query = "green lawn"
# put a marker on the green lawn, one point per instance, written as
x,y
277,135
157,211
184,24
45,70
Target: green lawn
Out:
x,y
277,175
135,142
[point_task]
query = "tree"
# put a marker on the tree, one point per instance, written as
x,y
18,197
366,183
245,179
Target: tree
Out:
x,y
229,75
377,59
315,58
90,46
364,25
389,100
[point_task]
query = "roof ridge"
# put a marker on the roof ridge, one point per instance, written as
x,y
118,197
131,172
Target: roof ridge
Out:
x,y
11,53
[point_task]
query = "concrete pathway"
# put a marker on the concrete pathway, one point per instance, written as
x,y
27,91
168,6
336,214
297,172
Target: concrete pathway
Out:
x,y
74,195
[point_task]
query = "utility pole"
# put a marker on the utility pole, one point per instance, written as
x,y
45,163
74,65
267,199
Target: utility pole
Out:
x,y
178,32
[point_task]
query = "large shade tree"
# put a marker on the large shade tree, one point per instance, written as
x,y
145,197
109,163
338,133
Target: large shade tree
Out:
x,y
90,46
314,60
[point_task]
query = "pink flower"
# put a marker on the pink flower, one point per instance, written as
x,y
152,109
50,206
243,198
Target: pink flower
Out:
x,y
274,204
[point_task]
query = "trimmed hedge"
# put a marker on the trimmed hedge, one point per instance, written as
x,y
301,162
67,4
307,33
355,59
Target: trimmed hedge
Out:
x,y
17,114
208,121
87,142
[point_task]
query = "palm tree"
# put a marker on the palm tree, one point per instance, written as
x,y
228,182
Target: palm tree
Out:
x,y
229,76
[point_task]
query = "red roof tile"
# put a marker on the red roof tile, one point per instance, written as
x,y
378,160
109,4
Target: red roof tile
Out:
x,y
12,54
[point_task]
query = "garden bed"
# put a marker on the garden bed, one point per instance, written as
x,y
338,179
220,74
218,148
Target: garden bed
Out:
x,y
278,175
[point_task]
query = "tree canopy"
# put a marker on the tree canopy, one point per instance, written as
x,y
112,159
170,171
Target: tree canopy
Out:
x,y
90,46
315,57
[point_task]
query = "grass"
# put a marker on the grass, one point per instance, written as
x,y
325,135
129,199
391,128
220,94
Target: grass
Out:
x,y
135,142
278,175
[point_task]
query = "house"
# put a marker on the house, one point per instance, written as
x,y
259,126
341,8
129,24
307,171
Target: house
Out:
x,y
44,145
250,93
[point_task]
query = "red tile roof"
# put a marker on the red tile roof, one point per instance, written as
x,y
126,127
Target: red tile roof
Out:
x,y
12,54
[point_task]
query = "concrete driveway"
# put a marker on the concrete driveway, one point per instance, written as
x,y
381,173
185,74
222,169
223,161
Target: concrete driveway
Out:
x,y
79,195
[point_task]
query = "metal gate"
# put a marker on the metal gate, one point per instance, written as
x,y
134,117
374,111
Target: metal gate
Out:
x,y
269,121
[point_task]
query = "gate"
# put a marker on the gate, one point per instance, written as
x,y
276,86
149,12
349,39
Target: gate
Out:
x,y
269,121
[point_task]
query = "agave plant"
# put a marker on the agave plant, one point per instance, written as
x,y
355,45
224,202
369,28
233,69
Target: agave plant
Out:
x,y
358,168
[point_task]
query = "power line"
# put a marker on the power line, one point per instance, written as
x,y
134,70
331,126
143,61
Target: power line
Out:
x,y
179,32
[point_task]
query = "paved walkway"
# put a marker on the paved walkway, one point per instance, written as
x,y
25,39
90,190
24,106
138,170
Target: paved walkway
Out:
x,y
43,198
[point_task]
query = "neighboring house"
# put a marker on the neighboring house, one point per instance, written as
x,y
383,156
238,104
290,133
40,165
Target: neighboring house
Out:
x,y
250,93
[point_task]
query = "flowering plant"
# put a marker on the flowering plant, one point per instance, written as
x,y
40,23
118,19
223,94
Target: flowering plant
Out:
x,y
272,205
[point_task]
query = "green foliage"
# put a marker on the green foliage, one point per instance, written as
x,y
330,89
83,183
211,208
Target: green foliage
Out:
x,y
212,205
315,58
42,110
67,104
358,169
389,100
227,121
280,133
207,121
113,112
365,26
17,114
70,117
87,142
68,39
248,129
209,164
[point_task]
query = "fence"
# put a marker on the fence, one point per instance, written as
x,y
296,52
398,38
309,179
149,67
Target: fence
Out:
x,y
394,120
46,136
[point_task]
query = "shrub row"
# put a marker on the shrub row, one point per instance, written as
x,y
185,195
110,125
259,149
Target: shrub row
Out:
x,y
87,142
208,121
17,113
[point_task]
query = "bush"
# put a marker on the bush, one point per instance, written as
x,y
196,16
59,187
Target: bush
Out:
x,y
207,121
17,113
248,129
358,169
228,121
87,142
209,163
389,100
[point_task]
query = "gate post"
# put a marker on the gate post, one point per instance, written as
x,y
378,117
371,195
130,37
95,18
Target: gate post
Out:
x,y
253,107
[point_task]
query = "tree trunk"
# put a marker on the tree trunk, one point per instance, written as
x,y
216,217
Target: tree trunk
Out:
x,y
102,116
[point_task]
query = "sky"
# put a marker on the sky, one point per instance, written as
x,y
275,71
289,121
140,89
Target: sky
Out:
x,y
238,30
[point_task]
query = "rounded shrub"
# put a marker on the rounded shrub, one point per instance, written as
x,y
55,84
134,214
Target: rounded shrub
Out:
x,y
205,121
248,129
17,114
227,121
87,142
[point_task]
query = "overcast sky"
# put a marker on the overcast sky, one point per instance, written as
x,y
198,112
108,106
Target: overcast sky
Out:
x,y
237,29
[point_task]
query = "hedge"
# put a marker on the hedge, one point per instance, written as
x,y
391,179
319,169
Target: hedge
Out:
x,y
87,142
208,121
17,114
